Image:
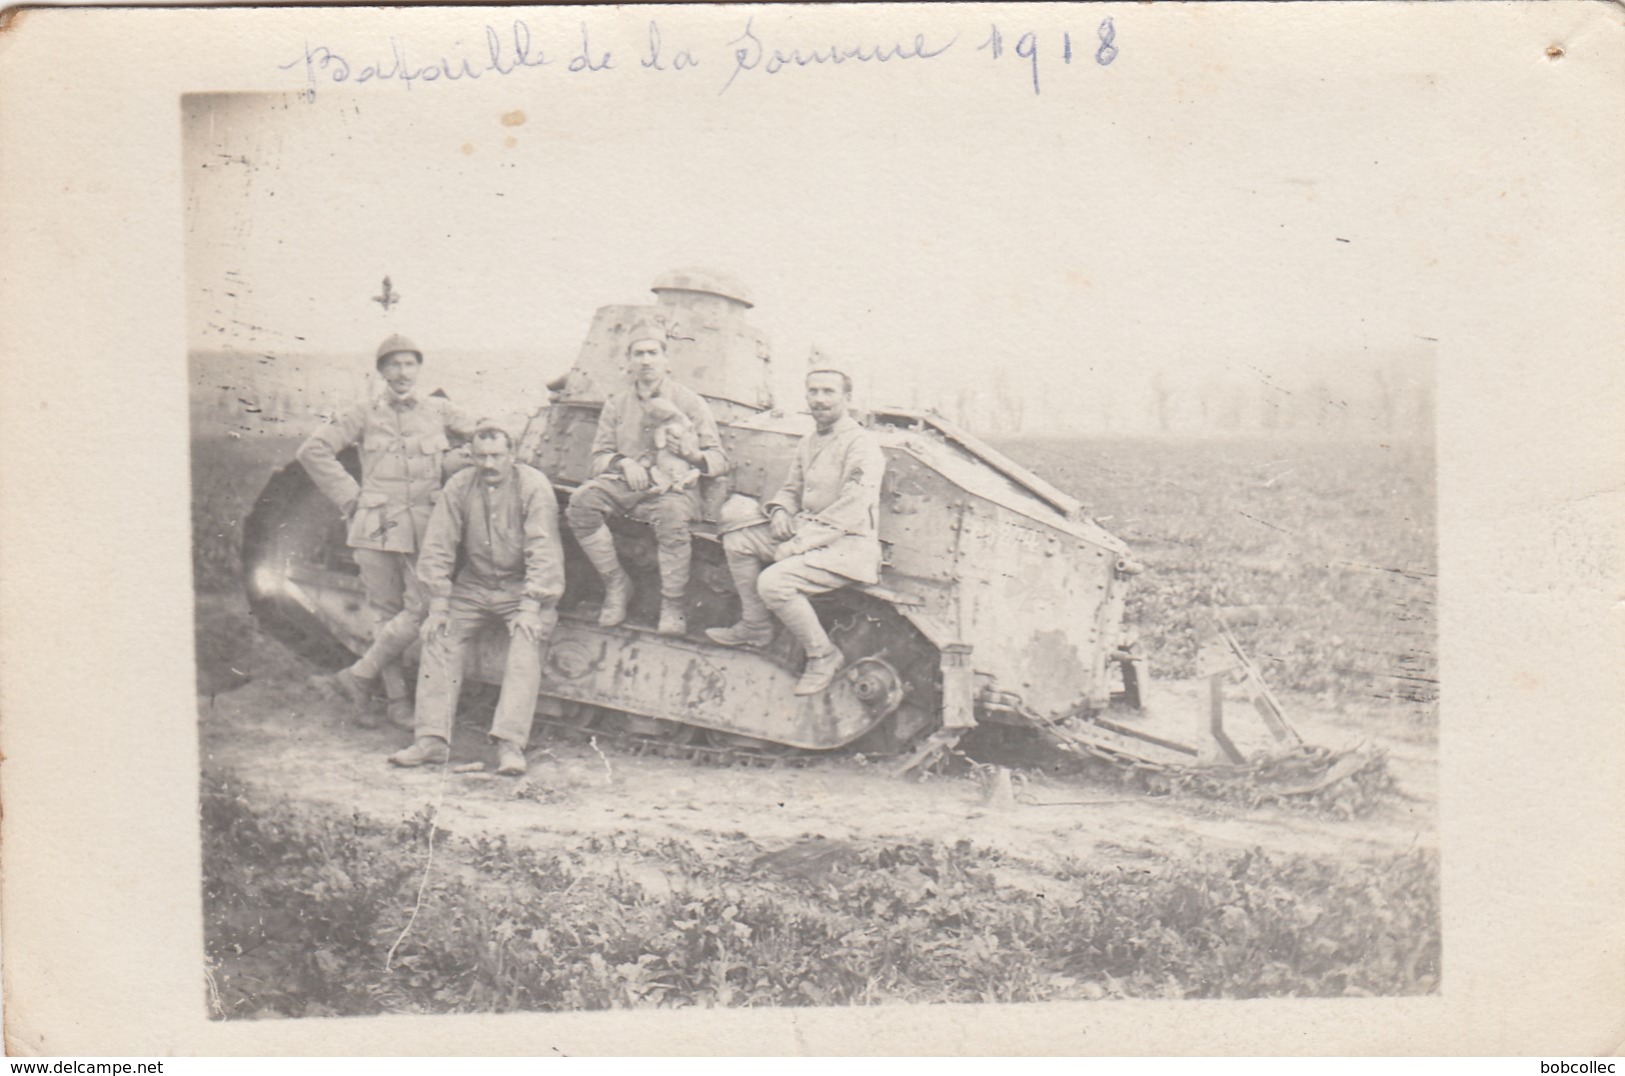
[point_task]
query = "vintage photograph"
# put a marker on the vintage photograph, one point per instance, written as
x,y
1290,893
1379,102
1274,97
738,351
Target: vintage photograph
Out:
x,y
650,552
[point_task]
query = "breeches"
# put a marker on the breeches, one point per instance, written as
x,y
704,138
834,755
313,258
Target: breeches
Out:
x,y
780,583
672,515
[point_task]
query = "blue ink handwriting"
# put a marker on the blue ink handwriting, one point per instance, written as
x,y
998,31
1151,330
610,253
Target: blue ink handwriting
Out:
x,y
514,50
1027,48
1107,52
680,61
752,54
504,56
584,61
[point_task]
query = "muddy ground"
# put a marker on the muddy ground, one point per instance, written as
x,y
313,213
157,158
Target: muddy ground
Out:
x,y
658,835
276,736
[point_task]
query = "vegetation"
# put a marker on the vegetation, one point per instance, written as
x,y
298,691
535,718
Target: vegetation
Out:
x,y
302,912
1322,553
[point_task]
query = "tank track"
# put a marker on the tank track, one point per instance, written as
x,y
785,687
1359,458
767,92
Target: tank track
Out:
x,y
703,754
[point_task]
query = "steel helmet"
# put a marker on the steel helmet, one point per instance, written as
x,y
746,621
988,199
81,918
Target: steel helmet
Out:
x,y
393,343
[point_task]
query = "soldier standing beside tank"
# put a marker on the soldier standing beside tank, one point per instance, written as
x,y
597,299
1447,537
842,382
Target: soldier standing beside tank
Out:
x,y
403,439
624,450
503,519
821,533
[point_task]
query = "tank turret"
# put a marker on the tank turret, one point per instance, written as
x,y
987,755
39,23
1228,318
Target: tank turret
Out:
x,y
713,349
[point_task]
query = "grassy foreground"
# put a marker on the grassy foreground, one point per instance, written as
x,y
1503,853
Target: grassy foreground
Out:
x,y
301,912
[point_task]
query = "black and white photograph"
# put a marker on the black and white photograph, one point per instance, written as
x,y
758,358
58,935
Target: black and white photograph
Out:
x,y
667,565
803,510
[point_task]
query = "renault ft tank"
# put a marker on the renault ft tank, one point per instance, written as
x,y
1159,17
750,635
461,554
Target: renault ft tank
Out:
x,y
1000,601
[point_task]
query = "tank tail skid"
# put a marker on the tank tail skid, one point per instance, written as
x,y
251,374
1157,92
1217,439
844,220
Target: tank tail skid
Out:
x,y
1204,757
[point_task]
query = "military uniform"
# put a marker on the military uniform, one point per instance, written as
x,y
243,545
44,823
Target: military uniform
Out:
x,y
404,445
626,429
833,492
512,562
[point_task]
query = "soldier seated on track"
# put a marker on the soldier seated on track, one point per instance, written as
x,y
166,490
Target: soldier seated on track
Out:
x,y
622,484
820,533
499,521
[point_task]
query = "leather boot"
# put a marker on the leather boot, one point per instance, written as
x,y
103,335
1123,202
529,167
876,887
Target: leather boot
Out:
x,y
426,751
823,660
741,634
600,549
673,620
344,686
510,760
401,714
820,672
675,559
755,627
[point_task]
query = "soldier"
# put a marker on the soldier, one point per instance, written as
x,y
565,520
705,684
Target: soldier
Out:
x,y
623,453
501,516
403,439
820,534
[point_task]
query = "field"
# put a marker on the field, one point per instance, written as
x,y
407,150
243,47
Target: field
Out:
x,y
1324,549
607,879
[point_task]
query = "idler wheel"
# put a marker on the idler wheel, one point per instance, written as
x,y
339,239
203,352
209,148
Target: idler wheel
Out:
x,y
875,684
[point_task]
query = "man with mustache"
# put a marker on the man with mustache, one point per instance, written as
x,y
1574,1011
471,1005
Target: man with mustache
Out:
x,y
403,438
821,533
623,453
497,527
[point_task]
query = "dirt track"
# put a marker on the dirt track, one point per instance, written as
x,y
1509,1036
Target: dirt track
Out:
x,y
274,736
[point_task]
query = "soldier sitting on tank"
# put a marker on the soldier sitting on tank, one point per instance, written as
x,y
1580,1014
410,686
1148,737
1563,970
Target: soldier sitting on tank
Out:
x,y
623,450
497,527
820,533
674,440
403,439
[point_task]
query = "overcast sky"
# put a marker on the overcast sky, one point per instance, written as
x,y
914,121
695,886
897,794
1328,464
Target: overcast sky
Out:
x,y
927,224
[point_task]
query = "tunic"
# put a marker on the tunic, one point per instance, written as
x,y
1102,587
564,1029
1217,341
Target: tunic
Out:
x,y
624,429
403,446
508,535
833,491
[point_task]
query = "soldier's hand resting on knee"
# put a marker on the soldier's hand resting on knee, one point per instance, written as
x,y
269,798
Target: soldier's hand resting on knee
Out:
x,y
435,624
782,525
636,475
526,625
